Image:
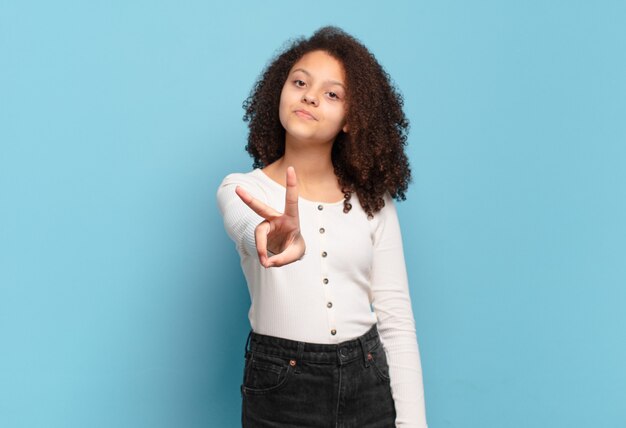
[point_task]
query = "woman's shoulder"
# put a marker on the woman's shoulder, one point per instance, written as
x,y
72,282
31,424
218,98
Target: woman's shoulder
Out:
x,y
254,182
242,178
387,213
388,209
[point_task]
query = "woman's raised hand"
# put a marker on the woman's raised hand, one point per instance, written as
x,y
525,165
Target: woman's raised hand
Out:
x,y
279,233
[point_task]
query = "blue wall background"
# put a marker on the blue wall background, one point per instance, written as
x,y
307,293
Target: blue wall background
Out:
x,y
121,299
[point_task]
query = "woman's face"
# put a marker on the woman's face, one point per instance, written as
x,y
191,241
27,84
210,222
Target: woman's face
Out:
x,y
312,102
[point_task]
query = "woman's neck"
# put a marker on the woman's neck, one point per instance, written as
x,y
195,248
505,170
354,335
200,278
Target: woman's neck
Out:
x,y
314,171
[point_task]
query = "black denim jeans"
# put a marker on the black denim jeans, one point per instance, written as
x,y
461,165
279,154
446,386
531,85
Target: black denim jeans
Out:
x,y
297,384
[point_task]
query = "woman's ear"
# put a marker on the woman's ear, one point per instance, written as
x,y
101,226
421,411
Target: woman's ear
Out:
x,y
345,128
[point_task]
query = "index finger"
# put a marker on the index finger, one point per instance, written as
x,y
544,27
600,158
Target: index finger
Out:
x,y
257,206
291,195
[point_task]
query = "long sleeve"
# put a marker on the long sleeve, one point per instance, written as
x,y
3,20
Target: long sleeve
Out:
x,y
240,221
291,301
392,305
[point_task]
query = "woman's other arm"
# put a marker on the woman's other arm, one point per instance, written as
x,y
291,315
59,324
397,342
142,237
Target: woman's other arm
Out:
x,y
392,304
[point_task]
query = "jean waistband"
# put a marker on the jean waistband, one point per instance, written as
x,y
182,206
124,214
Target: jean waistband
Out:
x,y
315,352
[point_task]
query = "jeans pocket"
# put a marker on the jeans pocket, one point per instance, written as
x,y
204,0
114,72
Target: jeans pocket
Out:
x,y
265,373
379,362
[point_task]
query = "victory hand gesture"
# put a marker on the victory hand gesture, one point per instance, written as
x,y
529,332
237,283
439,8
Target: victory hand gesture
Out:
x,y
279,233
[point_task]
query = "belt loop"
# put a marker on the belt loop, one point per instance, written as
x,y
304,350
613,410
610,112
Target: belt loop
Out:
x,y
299,356
363,347
248,342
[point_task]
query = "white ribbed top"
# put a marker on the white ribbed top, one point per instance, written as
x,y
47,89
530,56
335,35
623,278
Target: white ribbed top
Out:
x,y
352,276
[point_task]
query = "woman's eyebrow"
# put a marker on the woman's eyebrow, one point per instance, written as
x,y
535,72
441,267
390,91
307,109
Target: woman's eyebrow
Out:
x,y
334,82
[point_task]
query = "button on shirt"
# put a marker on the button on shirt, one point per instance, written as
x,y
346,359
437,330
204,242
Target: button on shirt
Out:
x,y
352,276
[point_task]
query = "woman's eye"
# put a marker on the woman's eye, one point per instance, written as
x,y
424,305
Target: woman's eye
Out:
x,y
333,95
299,83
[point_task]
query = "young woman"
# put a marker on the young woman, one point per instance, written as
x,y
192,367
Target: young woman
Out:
x,y
333,340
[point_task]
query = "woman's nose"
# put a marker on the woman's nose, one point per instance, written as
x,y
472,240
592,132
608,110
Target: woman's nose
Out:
x,y
309,99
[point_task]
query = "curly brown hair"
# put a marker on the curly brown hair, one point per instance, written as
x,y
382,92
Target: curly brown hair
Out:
x,y
369,159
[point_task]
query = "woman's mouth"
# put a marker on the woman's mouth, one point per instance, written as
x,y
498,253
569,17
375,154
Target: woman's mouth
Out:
x,y
304,114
